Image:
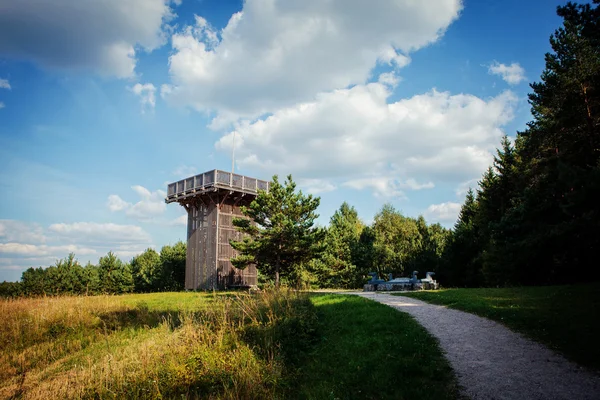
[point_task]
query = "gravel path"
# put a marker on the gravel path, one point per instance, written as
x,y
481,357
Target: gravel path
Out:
x,y
492,362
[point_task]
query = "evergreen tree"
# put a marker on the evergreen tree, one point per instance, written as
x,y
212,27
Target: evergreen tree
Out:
x,y
463,252
433,242
537,216
146,269
115,276
172,264
280,235
341,241
364,256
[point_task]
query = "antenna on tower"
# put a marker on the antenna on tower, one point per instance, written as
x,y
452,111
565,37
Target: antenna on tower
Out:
x,y
232,159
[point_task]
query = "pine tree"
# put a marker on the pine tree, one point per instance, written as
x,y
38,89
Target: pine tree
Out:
x,y
341,242
115,276
280,230
463,253
552,230
147,272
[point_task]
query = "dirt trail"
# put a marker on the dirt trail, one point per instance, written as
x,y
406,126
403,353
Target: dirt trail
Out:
x,y
491,361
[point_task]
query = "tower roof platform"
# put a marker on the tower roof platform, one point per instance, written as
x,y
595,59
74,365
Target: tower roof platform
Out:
x,y
212,181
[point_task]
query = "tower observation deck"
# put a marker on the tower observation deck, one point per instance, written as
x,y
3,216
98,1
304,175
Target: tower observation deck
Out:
x,y
212,199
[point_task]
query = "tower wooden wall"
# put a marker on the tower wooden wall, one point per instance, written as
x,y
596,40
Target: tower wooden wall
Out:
x,y
210,229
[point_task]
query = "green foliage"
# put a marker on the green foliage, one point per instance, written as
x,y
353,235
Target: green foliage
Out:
x,y
11,289
172,261
172,345
462,256
115,276
147,272
402,244
280,235
397,239
364,346
535,219
337,266
553,315
393,244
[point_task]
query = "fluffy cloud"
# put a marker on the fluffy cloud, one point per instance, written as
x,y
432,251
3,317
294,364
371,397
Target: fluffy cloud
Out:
x,y
115,203
2,105
444,212
42,250
512,74
106,234
17,231
152,204
180,221
185,171
24,245
316,186
4,84
355,137
464,187
99,35
387,187
146,93
274,54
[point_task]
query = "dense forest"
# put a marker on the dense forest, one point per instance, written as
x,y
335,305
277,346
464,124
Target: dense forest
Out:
x,y
533,218
148,272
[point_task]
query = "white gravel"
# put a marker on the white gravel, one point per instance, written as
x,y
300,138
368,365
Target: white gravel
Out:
x,y
491,361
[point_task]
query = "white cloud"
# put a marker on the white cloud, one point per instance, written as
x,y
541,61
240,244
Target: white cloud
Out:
x,y
185,171
2,105
127,252
444,212
42,250
382,187
354,137
11,267
387,187
151,205
19,231
316,186
180,221
115,203
106,234
146,93
464,187
24,245
97,35
512,74
389,78
4,84
274,54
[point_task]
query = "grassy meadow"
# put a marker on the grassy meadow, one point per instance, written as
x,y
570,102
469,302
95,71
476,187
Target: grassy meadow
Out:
x,y
371,351
205,345
564,318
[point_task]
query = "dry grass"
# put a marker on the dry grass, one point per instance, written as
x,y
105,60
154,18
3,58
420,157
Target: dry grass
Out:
x,y
148,346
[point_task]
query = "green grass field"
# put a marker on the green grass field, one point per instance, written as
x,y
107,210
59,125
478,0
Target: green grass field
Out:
x,y
565,318
227,345
370,351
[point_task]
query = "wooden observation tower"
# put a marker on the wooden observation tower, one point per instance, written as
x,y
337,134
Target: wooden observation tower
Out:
x,y
212,200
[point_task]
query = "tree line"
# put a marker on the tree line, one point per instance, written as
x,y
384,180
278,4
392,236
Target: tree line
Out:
x,y
284,243
150,271
533,219
535,216
393,244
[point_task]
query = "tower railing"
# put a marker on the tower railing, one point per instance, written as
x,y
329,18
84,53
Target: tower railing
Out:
x,y
214,179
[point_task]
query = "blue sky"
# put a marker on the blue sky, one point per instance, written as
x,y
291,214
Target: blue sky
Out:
x,y
103,103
